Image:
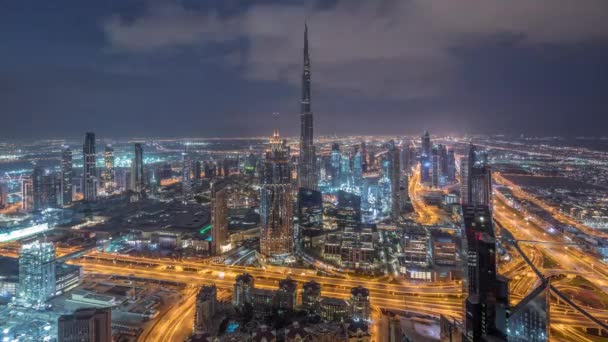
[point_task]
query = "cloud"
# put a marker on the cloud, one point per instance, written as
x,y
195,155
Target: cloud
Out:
x,y
394,48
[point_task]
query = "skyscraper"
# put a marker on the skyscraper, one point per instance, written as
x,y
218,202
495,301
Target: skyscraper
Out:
x,y
310,213
66,176
186,177
45,189
425,159
89,175
138,184
435,167
307,171
276,238
219,218
480,284
529,320
475,178
108,175
36,272
394,177
451,161
27,194
88,324
335,165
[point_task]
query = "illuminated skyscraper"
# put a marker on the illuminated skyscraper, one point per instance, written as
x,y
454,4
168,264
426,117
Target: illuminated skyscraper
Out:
x,y
529,320
394,173
435,170
480,283
358,170
310,213
45,189
307,171
186,174
276,238
335,165
219,218
475,178
108,174
27,194
138,184
66,176
451,161
206,308
89,175
425,159
3,194
36,272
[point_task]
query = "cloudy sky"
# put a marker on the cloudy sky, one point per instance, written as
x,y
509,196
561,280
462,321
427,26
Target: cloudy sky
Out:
x,y
222,67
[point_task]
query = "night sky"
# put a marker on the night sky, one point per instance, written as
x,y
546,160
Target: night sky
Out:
x,y
221,67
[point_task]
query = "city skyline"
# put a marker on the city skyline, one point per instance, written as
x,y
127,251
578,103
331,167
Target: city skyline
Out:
x,y
181,64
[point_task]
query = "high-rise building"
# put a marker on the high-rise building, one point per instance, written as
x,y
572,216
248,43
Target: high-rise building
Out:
x,y
66,176
27,194
108,174
349,210
395,178
276,238
45,188
451,167
435,167
425,159
89,175
363,152
88,324
206,308
359,303
480,284
310,213
197,172
442,156
311,295
138,184
307,171
475,178
358,170
243,287
186,174
36,272
219,215
529,320
335,165
406,165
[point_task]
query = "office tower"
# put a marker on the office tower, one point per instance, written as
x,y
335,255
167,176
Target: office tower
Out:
x,y
219,217
89,175
335,165
394,174
358,170
138,184
475,178
406,165
197,172
345,173
108,175
206,308
363,152
311,295
359,303
27,194
434,167
66,176
307,171
36,272
276,238
529,320
45,188
88,324
349,210
425,159
186,174
242,290
442,156
480,285
451,167
287,294
310,214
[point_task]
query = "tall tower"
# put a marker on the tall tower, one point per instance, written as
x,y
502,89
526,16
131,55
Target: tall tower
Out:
x,y
66,176
219,215
395,177
307,171
89,171
137,172
108,172
36,272
475,178
276,240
